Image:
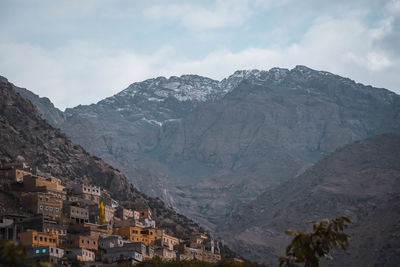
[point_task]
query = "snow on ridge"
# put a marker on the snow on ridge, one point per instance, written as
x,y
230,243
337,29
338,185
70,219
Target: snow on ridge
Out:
x,y
153,122
190,87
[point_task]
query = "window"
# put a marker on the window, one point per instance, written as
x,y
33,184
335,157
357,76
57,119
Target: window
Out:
x,y
35,238
51,250
83,241
51,208
57,209
45,239
41,207
57,250
37,251
41,238
47,208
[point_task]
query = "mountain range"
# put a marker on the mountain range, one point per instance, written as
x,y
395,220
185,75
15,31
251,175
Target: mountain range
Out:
x,y
217,150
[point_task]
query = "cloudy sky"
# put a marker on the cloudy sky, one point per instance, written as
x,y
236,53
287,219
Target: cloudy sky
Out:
x,y
80,51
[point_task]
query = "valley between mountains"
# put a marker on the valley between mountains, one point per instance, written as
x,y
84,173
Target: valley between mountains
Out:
x,y
255,154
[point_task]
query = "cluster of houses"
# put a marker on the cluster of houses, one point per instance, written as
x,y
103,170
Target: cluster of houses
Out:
x,y
83,223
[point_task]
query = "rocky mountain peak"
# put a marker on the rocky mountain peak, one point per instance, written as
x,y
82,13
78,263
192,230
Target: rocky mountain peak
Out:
x,y
183,88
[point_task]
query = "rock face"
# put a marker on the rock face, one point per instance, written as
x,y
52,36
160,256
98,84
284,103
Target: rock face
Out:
x,y
266,130
211,145
48,111
24,135
360,181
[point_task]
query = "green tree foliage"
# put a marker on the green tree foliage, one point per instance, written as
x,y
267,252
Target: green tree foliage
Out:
x,y
11,253
308,248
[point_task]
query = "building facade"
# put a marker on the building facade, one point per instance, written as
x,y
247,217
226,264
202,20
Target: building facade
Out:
x,y
112,241
33,238
34,183
82,241
43,203
164,240
80,255
128,252
125,214
76,214
14,172
165,253
88,192
137,234
49,254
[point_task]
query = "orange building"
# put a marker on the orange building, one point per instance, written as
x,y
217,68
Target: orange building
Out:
x,y
137,234
33,238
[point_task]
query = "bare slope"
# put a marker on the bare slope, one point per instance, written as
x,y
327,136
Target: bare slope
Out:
x,y
361,181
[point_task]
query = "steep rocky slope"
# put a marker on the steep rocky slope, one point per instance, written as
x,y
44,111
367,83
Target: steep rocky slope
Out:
x,y
48,111
24,135
360,181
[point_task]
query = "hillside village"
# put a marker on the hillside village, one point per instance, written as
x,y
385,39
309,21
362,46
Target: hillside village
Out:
x,y
81,223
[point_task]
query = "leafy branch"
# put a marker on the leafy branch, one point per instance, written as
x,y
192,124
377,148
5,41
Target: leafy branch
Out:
x,y
307,248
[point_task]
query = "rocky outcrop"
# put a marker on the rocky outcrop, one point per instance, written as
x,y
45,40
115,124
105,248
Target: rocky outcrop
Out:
x,y
360,181
48,111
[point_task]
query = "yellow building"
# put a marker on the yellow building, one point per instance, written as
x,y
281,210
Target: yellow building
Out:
x,y
137,234
33,238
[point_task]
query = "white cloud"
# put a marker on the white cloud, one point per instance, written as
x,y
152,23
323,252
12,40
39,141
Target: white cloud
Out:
x,y
83,72
344,46
76,73
224,13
